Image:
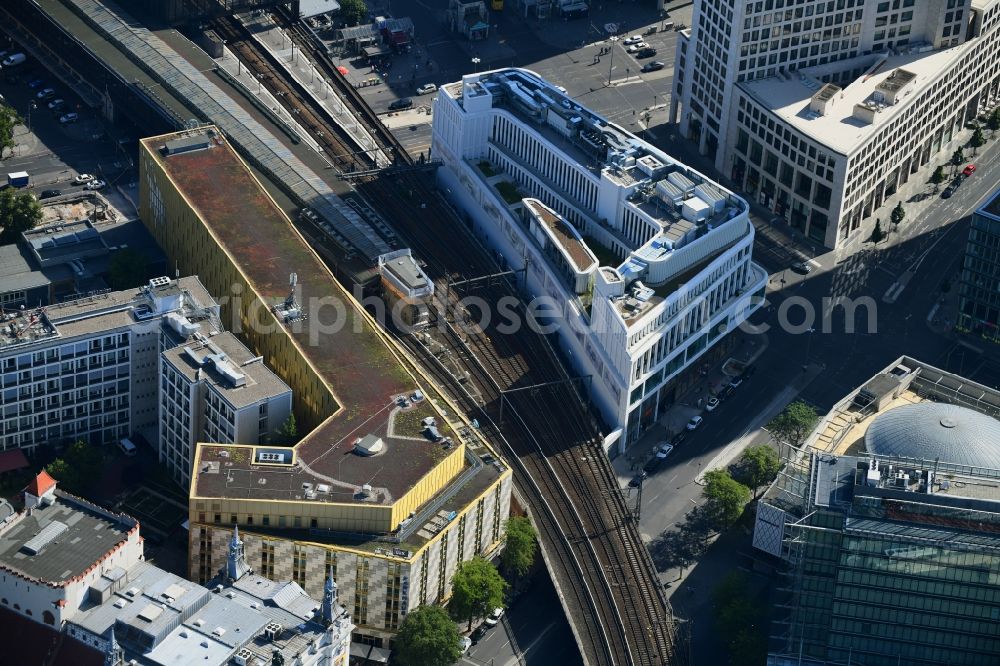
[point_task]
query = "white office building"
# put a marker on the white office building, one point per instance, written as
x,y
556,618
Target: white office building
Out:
x,y
822,110
644,263
214,389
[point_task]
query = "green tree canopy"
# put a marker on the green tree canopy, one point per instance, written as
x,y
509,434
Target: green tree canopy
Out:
x,y
427,637
519,547
757,467
288,432
938,176
67,477
126,269
477,588
9,119
353,12
977,138
794,424
957,157
898,214
726,498
993,122
19,212
877,234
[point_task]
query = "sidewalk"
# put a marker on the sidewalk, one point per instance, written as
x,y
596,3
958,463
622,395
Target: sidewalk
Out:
x,y
690,403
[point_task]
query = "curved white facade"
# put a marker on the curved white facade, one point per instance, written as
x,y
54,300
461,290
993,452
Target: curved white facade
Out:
x,y
674,248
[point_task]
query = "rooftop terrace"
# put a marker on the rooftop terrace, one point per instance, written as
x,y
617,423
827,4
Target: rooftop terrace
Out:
x,y
355,361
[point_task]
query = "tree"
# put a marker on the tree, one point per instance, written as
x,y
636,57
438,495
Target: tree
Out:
x,y
793,425
19,212
353,11
477,588
937,177
9,119
427,637
993,122
977,139
726,498
126,269
898,214
757,467
957,157
877,234
520,546
67,477
288,431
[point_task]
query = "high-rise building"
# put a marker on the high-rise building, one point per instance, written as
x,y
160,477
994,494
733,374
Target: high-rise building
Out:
x,y
388,486
886,526
642,263
979,290
822,110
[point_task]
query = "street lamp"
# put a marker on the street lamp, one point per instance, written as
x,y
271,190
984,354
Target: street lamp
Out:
x,y
614,40
475,62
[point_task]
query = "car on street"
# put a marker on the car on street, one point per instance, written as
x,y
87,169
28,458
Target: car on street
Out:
x,y
969,170
679,439
46,93
48,194
802,268
57,104
95,185
948,191
651,466
636,480
712,404
82,178
464,643
634,48
654,66
634,39
427,88
479,633
494,618
694,423
69,118
401,104
664,450
725,392
647,52
36,83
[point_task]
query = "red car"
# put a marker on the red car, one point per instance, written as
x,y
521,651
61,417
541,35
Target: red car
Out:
x,y
969,170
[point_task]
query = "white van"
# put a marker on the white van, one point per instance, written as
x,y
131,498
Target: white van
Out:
x,y
15,59
127,447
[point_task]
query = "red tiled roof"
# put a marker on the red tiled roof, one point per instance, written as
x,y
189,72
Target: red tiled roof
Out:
x,y
41,484
12,460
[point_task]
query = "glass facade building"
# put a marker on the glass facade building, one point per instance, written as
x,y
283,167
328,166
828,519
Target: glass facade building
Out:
x,y
979,295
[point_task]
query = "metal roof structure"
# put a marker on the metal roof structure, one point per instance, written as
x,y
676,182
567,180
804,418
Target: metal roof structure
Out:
x,y
931,430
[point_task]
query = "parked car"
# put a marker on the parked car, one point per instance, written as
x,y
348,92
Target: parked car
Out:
x,y
636,480
36,83
494,618
479,633
95,185
464,643
654,66
664,450
712,404
46,93
57,104
426,89
735,382
69,118
647,52
725,392
82,178
401,104
969,170
48,194
802,267
634,48
15,59
634,39
948,191
679,439
694,423
651,466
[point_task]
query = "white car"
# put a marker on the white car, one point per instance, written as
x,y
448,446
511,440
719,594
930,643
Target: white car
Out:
x,y
664,450
712,404
464,643
736,381
69,118
694,423
82,178
635,48
56,104
427,88
494,618
634,39
95,185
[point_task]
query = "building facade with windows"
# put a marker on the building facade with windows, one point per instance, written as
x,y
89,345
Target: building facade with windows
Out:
x,y
979,289
388,486
641,263
822,110
890,555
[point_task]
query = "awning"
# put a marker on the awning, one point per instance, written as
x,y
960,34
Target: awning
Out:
x,y
370,653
